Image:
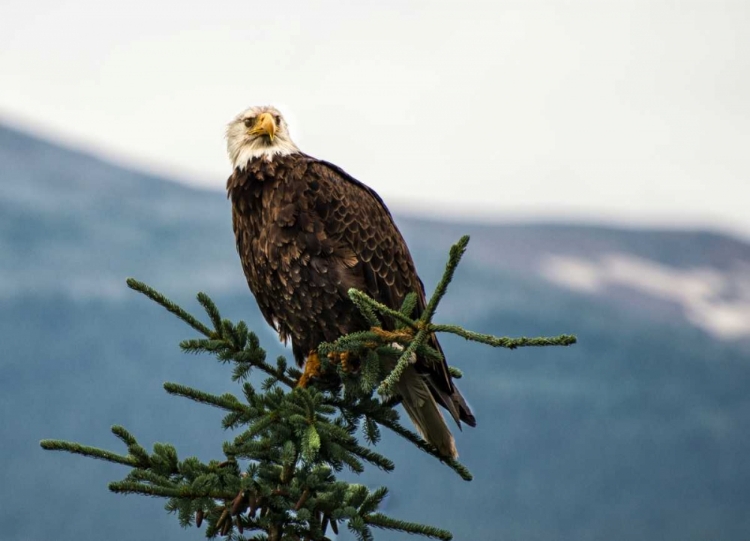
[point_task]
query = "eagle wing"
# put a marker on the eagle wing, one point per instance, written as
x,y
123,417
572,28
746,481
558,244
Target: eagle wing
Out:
x,y
370,249
360,226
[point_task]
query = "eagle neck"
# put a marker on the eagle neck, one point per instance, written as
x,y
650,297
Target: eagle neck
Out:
x,y
262,172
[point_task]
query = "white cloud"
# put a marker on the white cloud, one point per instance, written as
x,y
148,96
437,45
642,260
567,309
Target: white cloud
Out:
x,y
631,111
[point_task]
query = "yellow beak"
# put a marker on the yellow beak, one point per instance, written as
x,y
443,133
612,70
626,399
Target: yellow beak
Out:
x,y
264,125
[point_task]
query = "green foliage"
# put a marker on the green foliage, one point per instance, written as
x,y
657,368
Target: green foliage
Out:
x,y
419,330
277,477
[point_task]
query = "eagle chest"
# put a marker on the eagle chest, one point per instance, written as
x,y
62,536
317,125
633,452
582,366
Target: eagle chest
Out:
x,y
283,245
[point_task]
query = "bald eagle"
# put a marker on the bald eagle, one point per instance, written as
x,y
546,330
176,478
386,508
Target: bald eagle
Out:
x,y
306,233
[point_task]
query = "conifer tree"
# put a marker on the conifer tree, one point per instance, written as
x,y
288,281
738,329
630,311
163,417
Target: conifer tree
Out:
x,y
277,479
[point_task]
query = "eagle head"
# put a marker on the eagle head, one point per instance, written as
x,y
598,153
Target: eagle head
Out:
x,y
258,132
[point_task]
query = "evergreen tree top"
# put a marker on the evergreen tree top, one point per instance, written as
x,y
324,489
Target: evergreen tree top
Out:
x,y
277,478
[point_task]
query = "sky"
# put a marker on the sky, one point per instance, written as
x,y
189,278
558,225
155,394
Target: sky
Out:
x,y
625,112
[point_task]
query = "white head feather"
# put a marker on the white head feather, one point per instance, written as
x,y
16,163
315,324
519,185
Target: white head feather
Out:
x,y
243,146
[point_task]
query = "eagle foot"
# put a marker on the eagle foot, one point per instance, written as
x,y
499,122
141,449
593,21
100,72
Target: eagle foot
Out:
x,y
345,359
312,369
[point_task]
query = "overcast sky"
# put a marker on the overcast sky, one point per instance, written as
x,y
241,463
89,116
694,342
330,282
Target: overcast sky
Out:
x,y
629,112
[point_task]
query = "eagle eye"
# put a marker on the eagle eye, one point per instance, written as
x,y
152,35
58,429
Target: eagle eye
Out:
x,y
249,122
278,119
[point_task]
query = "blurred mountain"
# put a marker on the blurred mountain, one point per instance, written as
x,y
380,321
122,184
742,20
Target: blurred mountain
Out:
x,y
641,431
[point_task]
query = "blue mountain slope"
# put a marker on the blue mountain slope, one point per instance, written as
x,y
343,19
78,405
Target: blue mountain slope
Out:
x,y
641,431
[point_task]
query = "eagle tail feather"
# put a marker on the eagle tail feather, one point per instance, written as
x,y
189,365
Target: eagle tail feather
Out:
x,y
423,411
455,403
464,411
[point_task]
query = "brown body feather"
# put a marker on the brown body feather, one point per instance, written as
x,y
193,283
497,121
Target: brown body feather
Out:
x,y
306,233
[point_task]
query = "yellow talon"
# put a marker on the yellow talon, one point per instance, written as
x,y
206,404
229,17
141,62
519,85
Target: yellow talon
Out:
x,y
344,359
312,369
